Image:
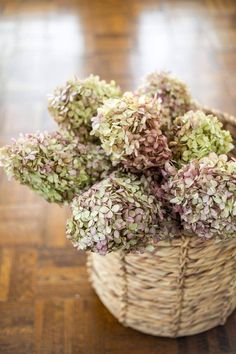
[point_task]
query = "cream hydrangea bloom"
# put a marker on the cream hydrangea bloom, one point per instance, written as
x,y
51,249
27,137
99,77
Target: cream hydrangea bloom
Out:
x,y
129,130
117,213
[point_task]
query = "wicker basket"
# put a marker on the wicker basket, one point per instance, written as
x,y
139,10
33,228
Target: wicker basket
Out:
x,y
185,287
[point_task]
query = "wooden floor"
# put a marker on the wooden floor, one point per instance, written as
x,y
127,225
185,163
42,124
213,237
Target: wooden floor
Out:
x,y
46,302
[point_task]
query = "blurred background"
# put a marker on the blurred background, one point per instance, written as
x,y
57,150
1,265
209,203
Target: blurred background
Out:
x,y
46,303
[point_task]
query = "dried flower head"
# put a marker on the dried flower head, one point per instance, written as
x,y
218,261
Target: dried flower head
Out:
x,y
129,129
203,193
54,165
172,93
117,213
73,105
196,135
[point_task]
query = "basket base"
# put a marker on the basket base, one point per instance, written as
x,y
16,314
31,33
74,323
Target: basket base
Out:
x,y
157,331
156,295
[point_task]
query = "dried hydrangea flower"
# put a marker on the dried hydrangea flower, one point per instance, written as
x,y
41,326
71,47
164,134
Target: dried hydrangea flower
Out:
x,y
173,94
73,105
129,129
117,213
203,193
196,135
54,165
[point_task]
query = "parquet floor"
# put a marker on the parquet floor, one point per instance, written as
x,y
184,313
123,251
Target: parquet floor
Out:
x,y
46,303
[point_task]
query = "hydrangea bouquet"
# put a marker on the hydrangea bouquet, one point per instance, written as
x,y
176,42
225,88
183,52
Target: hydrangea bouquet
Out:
x,y
135,168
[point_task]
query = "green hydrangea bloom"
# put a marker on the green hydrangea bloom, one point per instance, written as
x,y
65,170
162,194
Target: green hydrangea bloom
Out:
x,y
54,165
129,129
73,105
196,135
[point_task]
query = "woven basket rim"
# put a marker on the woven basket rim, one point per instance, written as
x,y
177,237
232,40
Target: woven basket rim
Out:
x,y
223,116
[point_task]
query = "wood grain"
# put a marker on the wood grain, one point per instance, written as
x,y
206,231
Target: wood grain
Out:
x,y
46,302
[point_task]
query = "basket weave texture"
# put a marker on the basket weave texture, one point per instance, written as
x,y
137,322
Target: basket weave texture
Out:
x,y
186,286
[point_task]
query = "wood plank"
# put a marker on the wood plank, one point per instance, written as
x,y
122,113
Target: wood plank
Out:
x,y
6,256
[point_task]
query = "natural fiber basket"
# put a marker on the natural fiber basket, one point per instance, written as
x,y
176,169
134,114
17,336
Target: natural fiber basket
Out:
x,y
185,287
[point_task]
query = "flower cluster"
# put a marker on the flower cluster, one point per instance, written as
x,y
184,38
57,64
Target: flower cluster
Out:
x,y
160,169
129,130
54,165
117,213
73,105
203,193
196,135
172,93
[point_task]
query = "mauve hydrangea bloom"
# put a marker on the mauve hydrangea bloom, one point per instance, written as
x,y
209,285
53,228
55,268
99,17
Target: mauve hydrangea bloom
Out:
x,y
172,93
129,130
73,105
117,213
203,193
196,135
54,165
